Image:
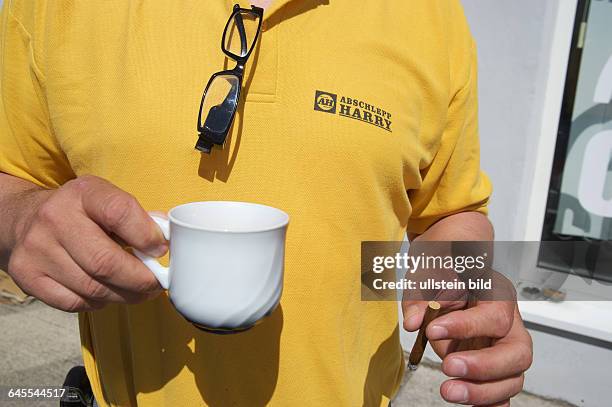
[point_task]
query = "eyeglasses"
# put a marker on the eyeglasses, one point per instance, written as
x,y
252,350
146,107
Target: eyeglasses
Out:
x,y
222,93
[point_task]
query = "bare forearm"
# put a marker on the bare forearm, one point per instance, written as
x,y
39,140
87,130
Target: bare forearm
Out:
x,y
17,199
460,227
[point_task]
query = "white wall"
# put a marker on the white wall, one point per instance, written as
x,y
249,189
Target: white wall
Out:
x,y
513,38
520,96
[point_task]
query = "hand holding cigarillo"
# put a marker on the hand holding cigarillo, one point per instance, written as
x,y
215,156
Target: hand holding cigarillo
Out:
x,y
481,375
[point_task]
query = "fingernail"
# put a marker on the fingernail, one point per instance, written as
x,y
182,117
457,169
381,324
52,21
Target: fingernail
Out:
x,y
456,368
437,332
457,393
159,251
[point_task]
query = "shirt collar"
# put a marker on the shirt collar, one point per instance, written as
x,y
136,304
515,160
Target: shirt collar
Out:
x,y
274,7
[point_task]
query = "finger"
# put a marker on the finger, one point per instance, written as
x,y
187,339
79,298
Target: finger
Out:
x,y
104,260
60,267
481,394
494,363
120,213
123,243
414,311
488,319
57,296
66,272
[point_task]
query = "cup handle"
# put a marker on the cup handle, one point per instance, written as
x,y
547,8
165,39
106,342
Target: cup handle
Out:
x,y
161,273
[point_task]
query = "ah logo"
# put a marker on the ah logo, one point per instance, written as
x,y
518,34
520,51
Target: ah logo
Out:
x,y
325,102
353,108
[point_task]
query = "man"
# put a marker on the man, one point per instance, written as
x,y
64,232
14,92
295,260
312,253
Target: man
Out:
x,y
97,127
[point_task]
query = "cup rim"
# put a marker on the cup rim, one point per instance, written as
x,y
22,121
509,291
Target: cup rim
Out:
x,y
279,225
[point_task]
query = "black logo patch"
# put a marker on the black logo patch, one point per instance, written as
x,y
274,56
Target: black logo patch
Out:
x,y
325,102
353,109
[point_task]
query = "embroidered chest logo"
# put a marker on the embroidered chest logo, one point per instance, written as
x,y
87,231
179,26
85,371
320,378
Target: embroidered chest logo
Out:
x,y
352,108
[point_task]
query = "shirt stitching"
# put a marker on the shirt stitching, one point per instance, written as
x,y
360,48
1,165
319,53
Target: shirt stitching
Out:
x,y
25,32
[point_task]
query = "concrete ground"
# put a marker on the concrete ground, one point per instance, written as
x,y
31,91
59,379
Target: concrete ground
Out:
x,y
38,345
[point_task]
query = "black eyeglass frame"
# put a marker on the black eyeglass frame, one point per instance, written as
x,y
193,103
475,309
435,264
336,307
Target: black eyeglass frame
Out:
x,y
206,137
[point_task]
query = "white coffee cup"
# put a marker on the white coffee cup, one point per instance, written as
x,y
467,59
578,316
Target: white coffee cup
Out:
x,y
226,262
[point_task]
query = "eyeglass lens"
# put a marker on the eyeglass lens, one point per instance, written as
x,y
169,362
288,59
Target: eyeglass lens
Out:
x,y
240,34
220,103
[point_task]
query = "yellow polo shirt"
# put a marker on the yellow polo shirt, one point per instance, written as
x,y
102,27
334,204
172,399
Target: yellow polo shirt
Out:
x,y
360,121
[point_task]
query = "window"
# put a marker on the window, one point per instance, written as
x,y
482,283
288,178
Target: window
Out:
x,y
579,206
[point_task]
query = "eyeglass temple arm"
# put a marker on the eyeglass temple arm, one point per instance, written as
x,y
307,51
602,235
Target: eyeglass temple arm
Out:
x,y
242,33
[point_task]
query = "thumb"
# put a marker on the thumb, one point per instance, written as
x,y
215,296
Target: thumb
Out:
x,y
413,314
414,311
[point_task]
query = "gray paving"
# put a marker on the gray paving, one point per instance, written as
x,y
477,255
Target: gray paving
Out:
x,y
38,345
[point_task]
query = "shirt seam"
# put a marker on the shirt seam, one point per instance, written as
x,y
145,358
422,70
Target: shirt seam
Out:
x,y
2,79
25,32
40,76
466,85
